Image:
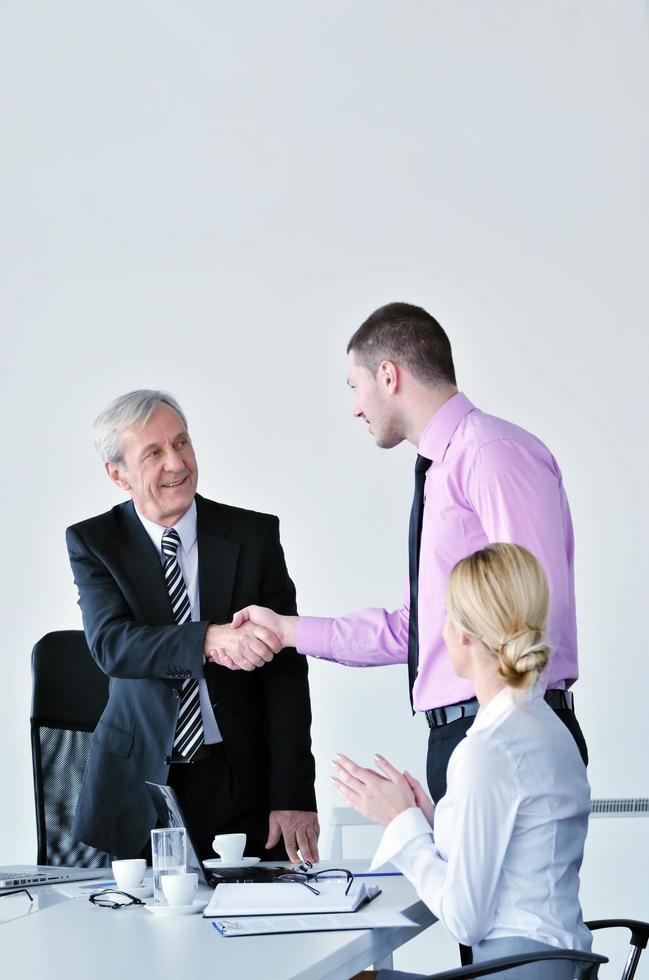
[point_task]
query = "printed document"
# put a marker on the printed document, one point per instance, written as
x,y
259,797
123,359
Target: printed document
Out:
x,y
259,925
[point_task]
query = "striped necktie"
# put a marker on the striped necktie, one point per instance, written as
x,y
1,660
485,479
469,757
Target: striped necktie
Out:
x,y
189,729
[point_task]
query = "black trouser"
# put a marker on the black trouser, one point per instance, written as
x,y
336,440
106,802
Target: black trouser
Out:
x,y
570,721
443,740
212,802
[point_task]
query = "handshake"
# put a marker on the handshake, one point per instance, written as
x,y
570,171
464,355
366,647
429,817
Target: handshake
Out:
x,y
251,640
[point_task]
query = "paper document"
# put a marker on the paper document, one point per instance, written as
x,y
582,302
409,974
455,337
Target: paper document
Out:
x,y
82,889
292,898
260,925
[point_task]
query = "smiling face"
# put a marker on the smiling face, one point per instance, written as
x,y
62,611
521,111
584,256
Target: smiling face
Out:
x,y
373,401
158,467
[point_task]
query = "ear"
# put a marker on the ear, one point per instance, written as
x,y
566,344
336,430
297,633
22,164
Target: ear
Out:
x,y
117,475
388,376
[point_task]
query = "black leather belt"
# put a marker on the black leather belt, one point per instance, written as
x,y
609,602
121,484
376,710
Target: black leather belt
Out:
x,y
205,752
560,699
437,717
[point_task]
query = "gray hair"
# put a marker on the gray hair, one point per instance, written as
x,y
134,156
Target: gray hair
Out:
x,y
134,408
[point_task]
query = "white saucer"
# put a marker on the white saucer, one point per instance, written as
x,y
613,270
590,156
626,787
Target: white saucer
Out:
x,y
170,910
241,863
142,891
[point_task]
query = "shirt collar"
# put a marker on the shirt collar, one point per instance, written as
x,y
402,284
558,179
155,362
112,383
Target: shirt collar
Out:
x,y
503,704
186,528
438,433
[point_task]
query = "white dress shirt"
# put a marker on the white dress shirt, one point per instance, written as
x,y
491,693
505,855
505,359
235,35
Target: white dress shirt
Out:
x,y
188,560
504,853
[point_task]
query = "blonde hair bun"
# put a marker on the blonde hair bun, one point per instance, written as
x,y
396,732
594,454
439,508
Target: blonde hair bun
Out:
x,y
521,664
534,659
496,595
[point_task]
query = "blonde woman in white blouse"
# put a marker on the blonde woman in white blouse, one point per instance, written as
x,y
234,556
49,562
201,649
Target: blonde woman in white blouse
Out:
x,y
497,861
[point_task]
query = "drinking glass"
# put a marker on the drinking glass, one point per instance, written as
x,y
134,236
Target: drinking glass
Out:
x,y
169,857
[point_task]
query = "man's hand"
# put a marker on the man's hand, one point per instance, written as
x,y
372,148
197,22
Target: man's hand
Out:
x,y
244,648
299,828
284,627
378,797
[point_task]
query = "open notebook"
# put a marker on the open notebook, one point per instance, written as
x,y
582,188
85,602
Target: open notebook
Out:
x,y
287,898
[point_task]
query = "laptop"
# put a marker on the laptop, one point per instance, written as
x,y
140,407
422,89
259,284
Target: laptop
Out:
x,y
20,875
170,814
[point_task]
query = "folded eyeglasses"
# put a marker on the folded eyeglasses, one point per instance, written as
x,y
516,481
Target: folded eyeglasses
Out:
x,y
108,898
303,876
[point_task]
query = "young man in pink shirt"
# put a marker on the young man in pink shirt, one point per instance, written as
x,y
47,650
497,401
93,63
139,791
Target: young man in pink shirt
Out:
x,y
478,480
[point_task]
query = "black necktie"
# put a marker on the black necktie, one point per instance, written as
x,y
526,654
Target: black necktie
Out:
x,y
414,544
189,729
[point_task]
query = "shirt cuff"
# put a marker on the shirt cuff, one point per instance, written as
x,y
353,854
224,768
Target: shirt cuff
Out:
x,y
409,824
314,636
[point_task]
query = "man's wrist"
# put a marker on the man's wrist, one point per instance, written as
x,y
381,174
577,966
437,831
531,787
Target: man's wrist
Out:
x,y
288,630
211,641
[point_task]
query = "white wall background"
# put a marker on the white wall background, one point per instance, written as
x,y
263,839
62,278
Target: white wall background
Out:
x,y
210,197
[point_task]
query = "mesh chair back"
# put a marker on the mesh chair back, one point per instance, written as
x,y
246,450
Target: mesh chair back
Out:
x,y
69,693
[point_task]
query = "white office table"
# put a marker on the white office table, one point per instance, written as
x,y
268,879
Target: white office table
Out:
x,y
70,939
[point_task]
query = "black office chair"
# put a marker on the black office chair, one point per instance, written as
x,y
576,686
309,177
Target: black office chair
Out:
x,y
638,941
69,693
587,964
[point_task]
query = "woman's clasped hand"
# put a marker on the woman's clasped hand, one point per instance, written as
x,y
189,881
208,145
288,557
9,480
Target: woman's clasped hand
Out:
x,y
380,796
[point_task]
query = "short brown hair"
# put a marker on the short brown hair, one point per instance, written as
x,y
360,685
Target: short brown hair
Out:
x,y
407,335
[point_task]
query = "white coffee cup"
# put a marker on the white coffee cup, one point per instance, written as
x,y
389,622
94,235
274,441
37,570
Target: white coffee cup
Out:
x,y
229,847
180,889
129,873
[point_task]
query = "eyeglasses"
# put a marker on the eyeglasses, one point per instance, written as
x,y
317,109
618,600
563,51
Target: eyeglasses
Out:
x,y
107,898
18,891
303,875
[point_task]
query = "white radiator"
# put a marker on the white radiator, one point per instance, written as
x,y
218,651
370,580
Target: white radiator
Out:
x,y
632,806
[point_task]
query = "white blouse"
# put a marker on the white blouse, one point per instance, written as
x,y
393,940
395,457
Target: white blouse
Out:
x,y
504,853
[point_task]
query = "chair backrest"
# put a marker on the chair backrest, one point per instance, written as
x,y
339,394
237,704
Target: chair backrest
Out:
x,y
341,817
69,693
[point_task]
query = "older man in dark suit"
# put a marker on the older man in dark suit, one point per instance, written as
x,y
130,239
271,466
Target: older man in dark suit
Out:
x,y
159,578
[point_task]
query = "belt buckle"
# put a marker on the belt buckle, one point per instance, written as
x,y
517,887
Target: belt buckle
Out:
x,y
453,713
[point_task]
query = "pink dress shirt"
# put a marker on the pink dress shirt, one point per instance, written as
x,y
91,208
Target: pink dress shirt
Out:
x,y
489,481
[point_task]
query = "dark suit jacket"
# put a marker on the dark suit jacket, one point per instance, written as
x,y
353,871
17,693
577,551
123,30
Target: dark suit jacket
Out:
x,y
264,715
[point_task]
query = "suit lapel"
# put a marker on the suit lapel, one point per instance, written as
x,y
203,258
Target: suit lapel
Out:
x,y
144,568
217,561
